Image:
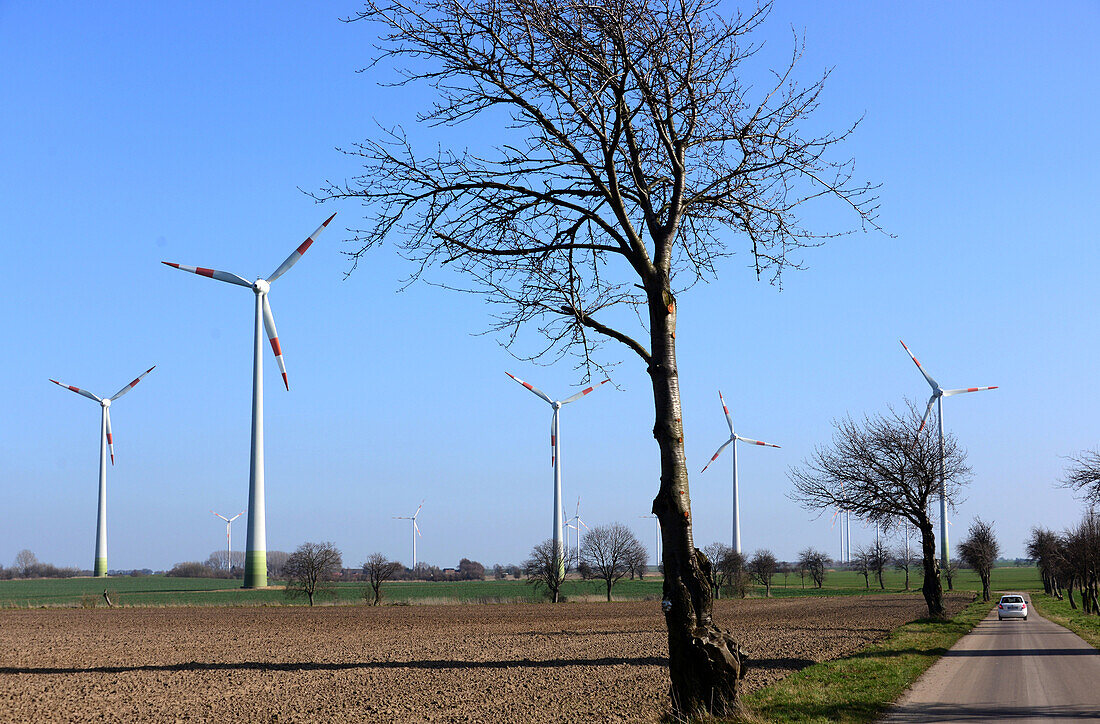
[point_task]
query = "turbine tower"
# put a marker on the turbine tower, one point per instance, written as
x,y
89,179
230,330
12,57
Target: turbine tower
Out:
x,y
255,561
106,440
415,530
229,537
656,538
734,437
938,393
555,459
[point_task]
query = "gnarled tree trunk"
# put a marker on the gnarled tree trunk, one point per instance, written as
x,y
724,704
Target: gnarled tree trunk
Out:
x,y
932,588
705,663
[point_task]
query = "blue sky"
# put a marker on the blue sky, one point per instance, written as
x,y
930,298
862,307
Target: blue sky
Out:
x,y
139,132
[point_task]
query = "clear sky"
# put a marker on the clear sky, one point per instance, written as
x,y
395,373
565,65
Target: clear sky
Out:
x,y
139,132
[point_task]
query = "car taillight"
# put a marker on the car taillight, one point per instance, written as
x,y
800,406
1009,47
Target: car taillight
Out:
x,y
1000,606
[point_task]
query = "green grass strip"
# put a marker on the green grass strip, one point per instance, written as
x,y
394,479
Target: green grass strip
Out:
x,y
859,688
1084,625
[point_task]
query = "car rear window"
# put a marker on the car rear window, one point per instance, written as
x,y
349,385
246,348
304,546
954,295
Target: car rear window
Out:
x,y
1012,599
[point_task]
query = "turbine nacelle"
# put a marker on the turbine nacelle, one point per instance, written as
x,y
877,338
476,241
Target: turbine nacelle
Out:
x,y
105,402
261,286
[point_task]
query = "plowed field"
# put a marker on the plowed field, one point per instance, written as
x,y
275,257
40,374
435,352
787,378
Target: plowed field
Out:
x,y
490,663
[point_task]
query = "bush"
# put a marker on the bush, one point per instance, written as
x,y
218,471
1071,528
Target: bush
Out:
x,y
190,569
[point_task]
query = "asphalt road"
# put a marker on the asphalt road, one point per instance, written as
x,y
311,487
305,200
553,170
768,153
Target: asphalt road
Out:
x,y
1008,671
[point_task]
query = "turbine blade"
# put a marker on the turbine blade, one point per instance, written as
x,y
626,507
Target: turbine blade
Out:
x,y
238,515
729,420
536,390
418,509
130,386
297,253
754,442
273,337
719,452
222,516
948,393
110,438
211,273
935,385
77,390
584,392
931,401
553,439
417,529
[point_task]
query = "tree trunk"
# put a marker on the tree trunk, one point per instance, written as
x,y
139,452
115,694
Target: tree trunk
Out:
x,y
310,594
985,585
932,588
705,663
906,579
609,590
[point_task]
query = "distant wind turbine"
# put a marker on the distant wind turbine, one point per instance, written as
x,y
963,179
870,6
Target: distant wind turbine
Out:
x,y
656,537
734,437
255,562
555,458
576,524
229,537
106,440
938,393
415,529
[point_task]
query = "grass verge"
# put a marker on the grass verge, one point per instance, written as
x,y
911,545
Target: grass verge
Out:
x,y
1085,626
860,687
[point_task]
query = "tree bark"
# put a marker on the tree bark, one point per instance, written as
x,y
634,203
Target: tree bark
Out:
x,y
932,588
705,663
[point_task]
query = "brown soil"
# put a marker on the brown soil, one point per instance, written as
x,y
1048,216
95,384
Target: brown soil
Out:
x,y
580,662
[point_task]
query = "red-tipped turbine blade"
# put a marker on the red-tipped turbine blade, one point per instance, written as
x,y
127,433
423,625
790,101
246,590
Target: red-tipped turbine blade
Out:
x,y
553,439
273,337
211,273
716,454
77,390
935,385
110,437
927,411
754,442
297,253
130,386
948,393
729,420
536,390
584,392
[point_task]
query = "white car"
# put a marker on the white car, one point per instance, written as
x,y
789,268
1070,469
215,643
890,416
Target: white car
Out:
x,y
1012,606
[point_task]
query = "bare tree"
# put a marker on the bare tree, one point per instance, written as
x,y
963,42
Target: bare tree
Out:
x,y
904,560
717,553
1078,562
378,570
25,563
861,564
979,551
606,549
879,558
816,563
883,469
544,568
636,150
1083,476
637,560
311,569
1045,548
275,562
762,566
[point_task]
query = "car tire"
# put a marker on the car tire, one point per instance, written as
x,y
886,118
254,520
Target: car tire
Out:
x,y
1000,618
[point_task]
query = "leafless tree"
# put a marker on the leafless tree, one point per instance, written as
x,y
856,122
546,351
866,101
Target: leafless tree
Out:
x,y
311,569
637,560
884,469
1044,547
979,551
275,562
1079,562
377,570
762,566
25,563
1083,476
879,558
223,564
904,560
606,549
544,568
816,563
717,553
637,150
861,564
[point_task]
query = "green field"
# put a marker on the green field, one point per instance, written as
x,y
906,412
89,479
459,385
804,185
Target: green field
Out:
x,y
164,591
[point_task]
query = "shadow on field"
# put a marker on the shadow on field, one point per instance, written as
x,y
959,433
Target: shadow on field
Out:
x,y
324,666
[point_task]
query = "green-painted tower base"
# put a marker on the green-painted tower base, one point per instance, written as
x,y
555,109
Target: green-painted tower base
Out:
x,y
100,568
255,569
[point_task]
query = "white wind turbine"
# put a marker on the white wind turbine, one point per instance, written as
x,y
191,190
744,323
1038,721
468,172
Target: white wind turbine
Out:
x,y
415,529
106,440
938,393
734,437
229,537
255,562
656,537
555,458
576,524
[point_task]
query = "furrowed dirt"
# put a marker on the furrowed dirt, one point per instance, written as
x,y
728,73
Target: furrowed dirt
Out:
x,y
579,662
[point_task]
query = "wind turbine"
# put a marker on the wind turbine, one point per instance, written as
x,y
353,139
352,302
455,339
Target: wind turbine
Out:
x,y
255,561
656,538
106,440
415,530
938,393
576,523
734,437
555,458
228,537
